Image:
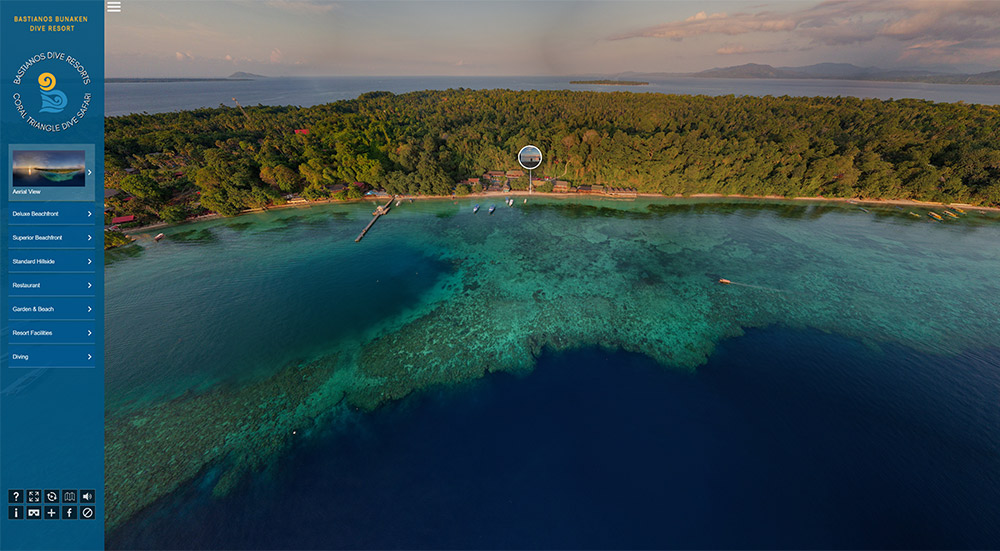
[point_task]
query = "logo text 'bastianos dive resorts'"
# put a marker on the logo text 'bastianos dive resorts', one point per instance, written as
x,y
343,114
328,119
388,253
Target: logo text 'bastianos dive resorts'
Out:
x,y
55,70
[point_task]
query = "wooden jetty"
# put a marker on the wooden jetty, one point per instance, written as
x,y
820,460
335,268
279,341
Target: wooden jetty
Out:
x,y
379,211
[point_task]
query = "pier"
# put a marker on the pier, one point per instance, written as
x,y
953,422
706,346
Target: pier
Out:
x,y
379,211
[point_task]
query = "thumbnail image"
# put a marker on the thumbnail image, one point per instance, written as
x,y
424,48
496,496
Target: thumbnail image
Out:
x,y
530,157
54,168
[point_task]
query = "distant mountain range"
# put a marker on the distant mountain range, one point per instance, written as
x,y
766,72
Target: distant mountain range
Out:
x,y
836,71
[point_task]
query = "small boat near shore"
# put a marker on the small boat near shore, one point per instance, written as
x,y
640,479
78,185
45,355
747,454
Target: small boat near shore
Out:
x,y
914,214
725,281
952,214
492,208
475,209
159,236
935,215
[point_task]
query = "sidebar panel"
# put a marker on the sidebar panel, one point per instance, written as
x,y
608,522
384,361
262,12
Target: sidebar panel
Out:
x,y
52,364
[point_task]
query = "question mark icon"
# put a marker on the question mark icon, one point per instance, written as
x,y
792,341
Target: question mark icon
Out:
x,y
15,496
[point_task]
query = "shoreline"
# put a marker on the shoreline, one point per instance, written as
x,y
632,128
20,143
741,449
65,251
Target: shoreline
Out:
x,y
520,193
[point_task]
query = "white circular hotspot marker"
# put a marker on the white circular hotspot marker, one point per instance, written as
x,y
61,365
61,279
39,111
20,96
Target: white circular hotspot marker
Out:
x,y
529,157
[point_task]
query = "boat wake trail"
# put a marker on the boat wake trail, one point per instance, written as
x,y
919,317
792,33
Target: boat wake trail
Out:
x,y
761,287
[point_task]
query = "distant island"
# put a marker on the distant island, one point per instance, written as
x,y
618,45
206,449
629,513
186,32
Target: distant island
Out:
x,y
830,71
245,76
611,82
847,71
120,80
239,75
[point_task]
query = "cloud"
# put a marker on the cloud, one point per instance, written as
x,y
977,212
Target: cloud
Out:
x,y
740,49
717,23
276,56
184,56
302,7
968,25
952,51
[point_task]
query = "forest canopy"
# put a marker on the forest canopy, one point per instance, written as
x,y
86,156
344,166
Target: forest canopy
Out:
x,y
172,165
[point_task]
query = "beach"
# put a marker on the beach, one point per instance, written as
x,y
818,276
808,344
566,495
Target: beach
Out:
x,y
497,195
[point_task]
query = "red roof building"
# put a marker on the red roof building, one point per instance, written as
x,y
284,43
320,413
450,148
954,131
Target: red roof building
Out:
x,y
122,219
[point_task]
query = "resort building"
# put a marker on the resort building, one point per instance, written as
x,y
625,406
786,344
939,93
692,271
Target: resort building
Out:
x,y
561,186
495,176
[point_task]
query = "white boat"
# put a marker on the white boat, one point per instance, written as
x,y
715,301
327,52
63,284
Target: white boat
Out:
x,y
475,209
158,237
492,208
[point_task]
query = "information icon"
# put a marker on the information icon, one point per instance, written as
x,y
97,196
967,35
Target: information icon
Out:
x,y
529,157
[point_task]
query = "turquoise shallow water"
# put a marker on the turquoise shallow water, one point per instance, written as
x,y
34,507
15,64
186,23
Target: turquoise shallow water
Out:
x,y
243,330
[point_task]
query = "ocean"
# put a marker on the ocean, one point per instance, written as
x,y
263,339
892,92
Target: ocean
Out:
x,y
561,374
159,97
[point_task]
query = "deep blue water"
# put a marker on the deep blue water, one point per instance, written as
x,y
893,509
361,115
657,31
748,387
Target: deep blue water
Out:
x,y
158,97
785,439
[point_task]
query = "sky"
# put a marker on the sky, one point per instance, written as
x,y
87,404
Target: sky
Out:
x,y
49,159
213,38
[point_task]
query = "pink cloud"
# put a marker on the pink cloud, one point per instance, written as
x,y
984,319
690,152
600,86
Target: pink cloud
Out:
x,y
976,23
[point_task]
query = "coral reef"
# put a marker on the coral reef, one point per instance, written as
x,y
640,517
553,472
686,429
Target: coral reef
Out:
x,y
640,276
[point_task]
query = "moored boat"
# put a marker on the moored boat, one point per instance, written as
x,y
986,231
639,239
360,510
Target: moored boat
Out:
x,y
934,215
952,214
158,237
914,214
492,208
475,209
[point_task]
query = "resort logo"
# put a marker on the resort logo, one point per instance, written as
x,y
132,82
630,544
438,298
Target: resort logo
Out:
x,y
52,68
53,101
